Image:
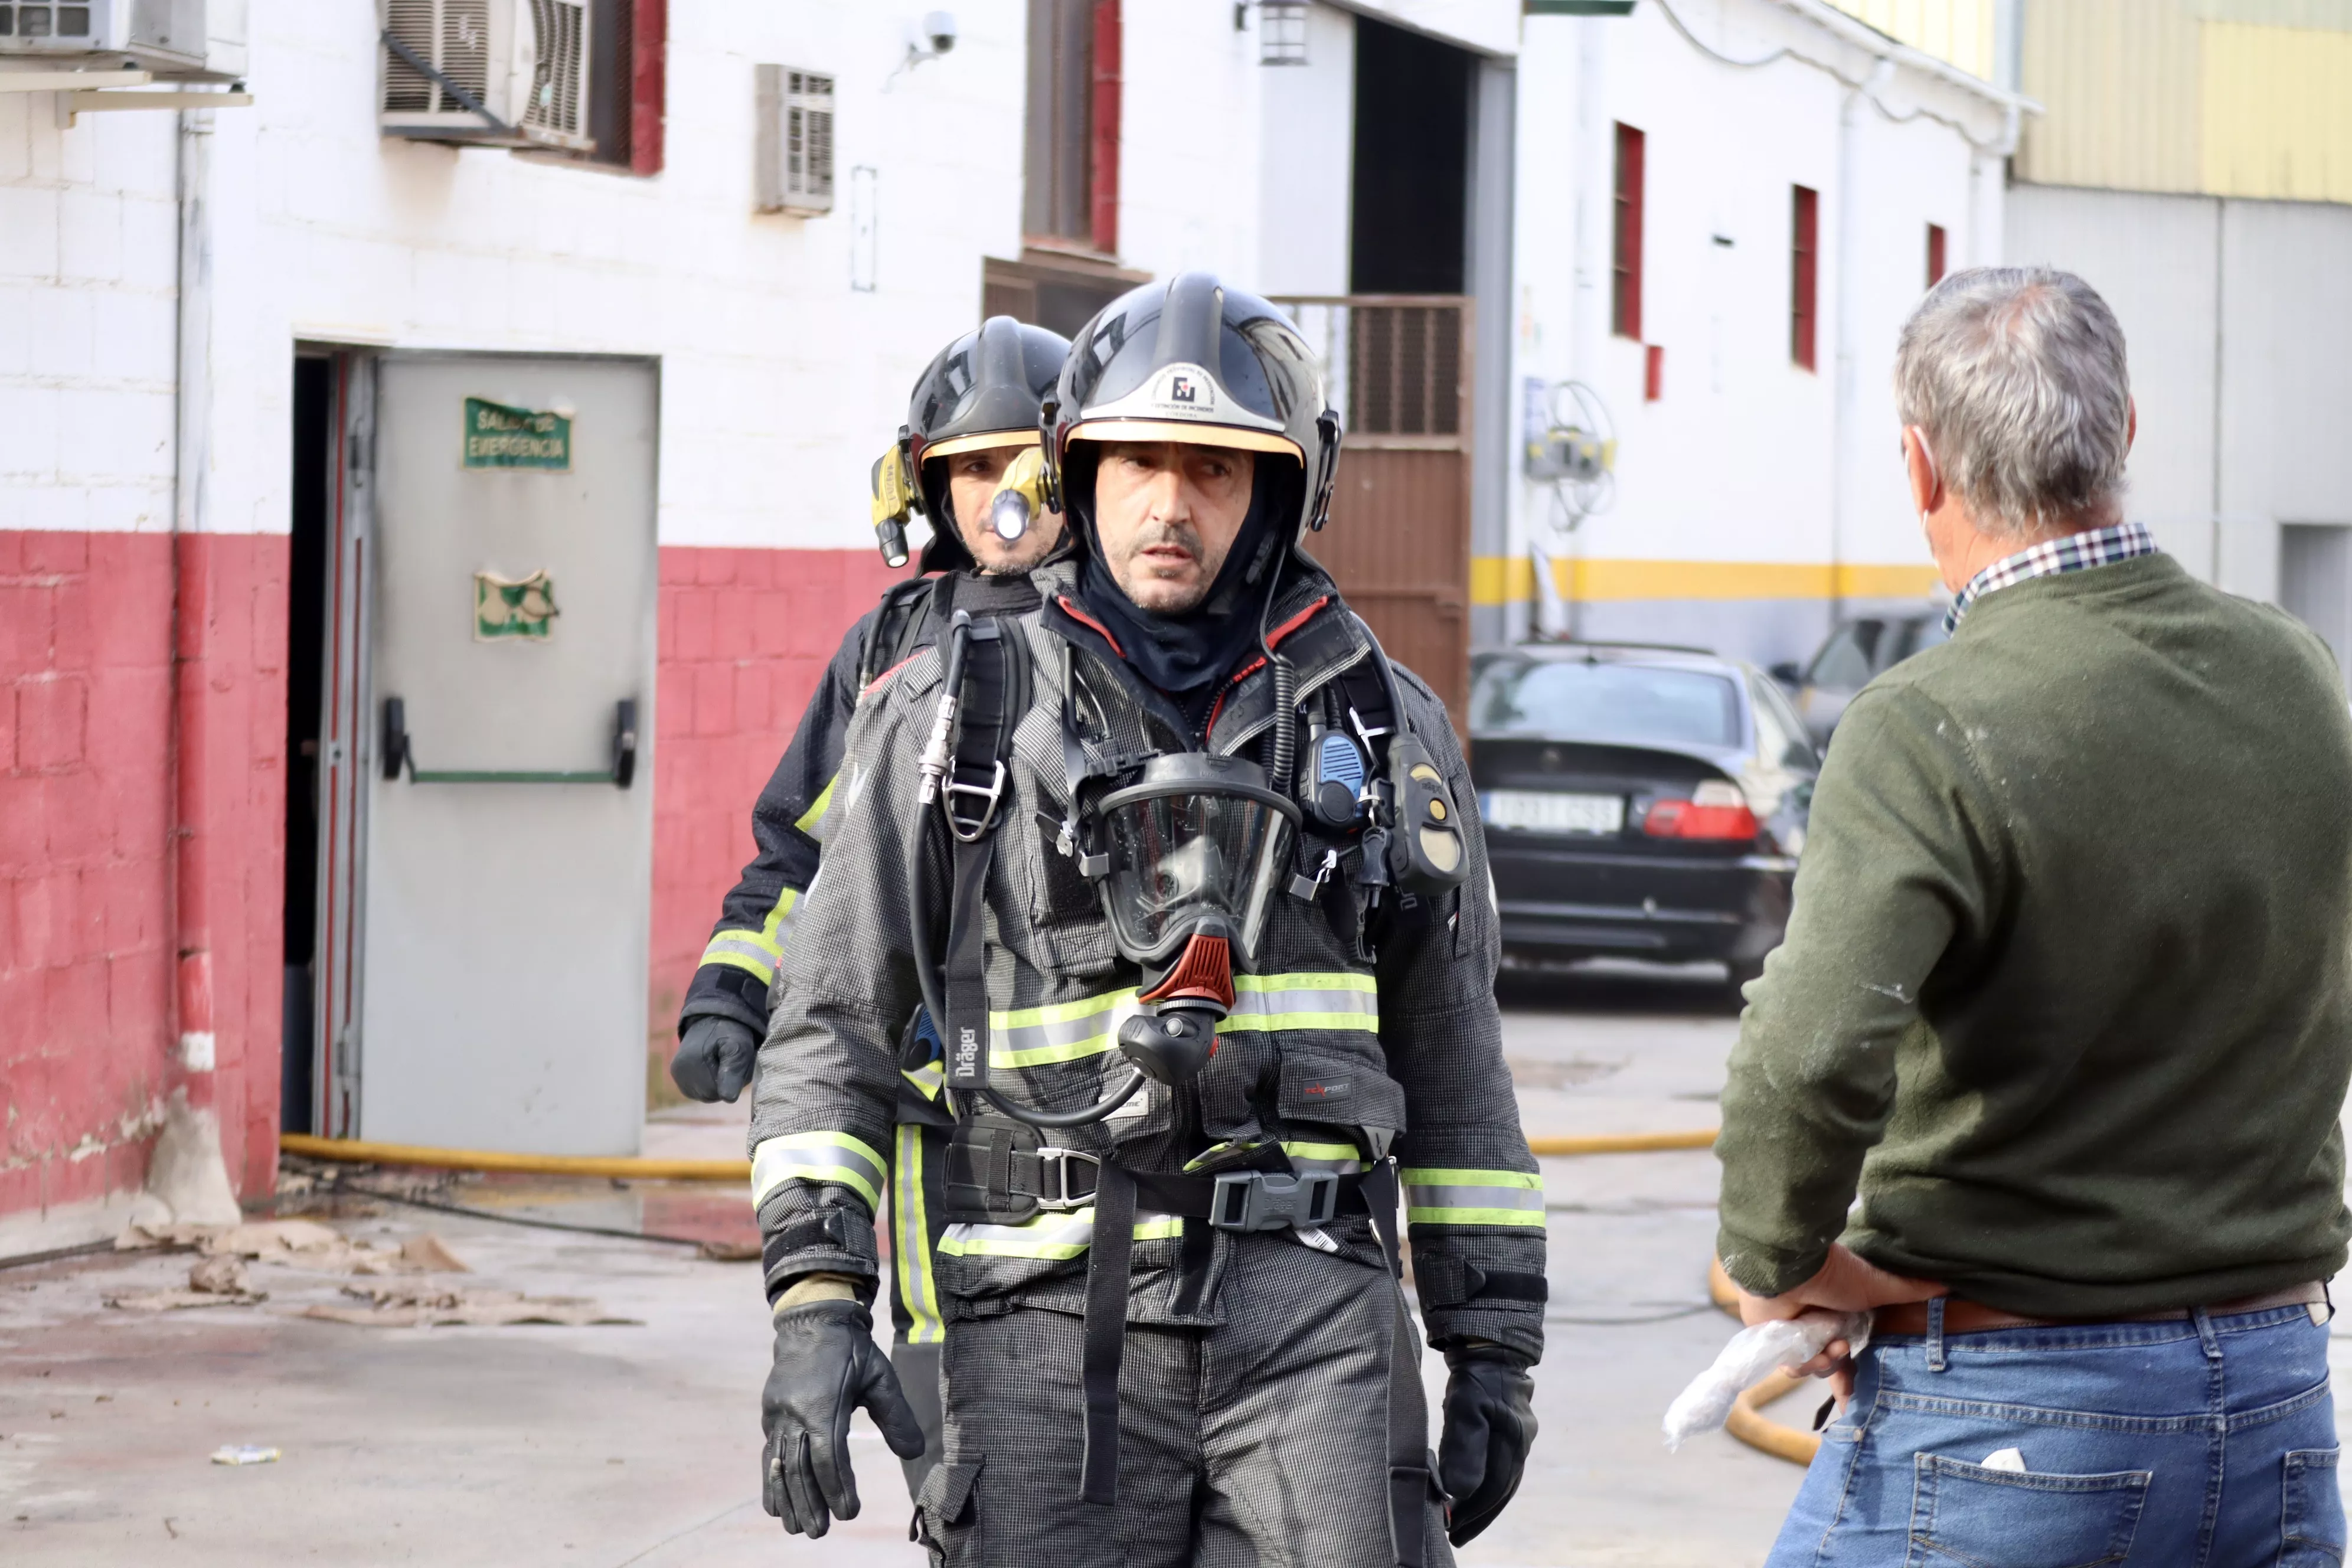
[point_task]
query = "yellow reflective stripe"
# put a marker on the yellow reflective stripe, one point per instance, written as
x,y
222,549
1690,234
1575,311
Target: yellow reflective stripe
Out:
x,y
818,1157
1072,1031
911,1243
1439,1176
1216,1150
1051,1235
928,1079
1343,1157
1472,1216
760,951
1333,980
1439,1195
816,813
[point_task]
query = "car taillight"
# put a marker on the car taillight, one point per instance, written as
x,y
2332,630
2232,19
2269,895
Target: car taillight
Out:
x,y
1717,809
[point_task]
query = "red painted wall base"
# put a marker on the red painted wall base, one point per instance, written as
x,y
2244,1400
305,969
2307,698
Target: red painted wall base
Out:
x,y
745,635
88,1025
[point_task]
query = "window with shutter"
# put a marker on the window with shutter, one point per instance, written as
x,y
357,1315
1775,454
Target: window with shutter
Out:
x,y
1804,255
1625,269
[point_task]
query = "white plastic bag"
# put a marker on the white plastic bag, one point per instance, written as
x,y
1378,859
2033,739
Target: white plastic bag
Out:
x,y
1752,1353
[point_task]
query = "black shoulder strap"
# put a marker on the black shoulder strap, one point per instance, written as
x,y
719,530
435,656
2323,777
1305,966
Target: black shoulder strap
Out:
x,y
907,613
996,694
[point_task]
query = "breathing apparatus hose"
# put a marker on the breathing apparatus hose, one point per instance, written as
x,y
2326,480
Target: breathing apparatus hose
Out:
x,y
918,906
1282,750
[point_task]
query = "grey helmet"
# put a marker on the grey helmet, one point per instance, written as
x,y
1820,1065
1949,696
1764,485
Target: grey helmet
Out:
x,y
1190,360
985,389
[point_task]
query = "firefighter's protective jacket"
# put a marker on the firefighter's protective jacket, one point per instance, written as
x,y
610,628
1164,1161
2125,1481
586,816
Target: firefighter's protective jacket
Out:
x,y
1353,1037
788,823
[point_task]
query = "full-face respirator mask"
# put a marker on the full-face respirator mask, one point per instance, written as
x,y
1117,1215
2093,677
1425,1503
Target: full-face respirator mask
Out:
x,y
1187,862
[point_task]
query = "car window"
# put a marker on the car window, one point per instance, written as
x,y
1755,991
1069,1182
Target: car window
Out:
x,y
1848,659
1781,738
1632,704
1924,635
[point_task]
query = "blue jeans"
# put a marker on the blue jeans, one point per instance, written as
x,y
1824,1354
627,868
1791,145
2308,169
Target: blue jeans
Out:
x,y
2205,1443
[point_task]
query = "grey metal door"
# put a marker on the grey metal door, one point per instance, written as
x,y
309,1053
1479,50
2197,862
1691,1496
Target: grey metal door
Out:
x,y
510,827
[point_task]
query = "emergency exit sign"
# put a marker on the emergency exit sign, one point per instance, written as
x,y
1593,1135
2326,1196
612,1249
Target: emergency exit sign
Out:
x,y
498,437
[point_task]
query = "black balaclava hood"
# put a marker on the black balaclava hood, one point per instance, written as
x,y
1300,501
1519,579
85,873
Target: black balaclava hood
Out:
x,y
1183,654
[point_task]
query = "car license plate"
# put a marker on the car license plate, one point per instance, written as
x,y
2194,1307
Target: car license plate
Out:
x,y
1540,810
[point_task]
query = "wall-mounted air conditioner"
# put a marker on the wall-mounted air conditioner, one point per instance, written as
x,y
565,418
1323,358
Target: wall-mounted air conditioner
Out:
x,y
162,36
496,73
794,162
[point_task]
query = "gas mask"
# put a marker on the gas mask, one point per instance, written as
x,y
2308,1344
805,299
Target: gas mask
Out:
x,y
1187,862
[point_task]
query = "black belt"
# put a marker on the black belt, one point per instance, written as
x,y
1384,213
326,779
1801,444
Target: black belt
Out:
x,y
1244,1200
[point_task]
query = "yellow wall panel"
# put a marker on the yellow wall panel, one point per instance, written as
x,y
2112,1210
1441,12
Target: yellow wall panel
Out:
x,y
1957,31
2278,112
2120,83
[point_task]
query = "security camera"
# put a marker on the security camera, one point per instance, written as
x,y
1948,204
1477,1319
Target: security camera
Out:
x,y
939,29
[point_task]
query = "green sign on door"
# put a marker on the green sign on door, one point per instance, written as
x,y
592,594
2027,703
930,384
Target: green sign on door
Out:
x,y
498,437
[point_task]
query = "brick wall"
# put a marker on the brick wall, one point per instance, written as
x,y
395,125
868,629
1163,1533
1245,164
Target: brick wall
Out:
x,y
745,634
86,794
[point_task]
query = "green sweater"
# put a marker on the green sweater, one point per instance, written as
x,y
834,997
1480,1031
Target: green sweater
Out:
x,y
2065,996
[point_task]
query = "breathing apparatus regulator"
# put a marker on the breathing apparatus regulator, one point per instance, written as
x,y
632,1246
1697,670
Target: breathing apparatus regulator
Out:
x,y
1188,852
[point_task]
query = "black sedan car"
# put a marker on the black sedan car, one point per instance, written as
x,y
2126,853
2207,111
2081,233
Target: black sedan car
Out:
x,y
1639,803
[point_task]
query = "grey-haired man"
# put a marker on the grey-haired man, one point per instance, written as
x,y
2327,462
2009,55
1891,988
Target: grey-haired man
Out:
x,y
2064,999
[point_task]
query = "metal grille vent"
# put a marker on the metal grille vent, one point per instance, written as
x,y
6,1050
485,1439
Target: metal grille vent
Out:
x,y
454,35
808,140
556,99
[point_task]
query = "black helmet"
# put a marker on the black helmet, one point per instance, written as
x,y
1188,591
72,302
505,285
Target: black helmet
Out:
x,y
1192,360
984,389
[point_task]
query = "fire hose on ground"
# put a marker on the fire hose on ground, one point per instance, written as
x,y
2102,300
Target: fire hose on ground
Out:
x,y
1747,1422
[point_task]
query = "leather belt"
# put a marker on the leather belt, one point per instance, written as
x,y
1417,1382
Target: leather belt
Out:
x,y
1972,1318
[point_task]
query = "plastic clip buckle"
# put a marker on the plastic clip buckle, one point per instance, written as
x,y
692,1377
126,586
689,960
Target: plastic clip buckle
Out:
x,y
967,827
1256,1200
1057,1160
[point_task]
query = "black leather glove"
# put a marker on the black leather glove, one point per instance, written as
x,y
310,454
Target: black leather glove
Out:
x,y
826,1366
714,1058
1490,1425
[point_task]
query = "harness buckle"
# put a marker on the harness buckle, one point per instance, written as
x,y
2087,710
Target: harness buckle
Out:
x,y
1057,1160
961,822
1262,1200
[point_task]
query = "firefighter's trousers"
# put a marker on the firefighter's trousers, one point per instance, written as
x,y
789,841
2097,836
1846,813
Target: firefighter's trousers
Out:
x,y
1260,1442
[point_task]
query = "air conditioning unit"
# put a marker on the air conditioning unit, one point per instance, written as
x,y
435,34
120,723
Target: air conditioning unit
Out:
x,y
154,34
794,162
490,73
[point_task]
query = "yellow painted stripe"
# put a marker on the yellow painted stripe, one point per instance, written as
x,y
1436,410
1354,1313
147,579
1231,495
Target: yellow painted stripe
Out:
x,y
1511,579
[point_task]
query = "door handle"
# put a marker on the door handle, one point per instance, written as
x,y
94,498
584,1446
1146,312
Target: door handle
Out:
x,y
398,751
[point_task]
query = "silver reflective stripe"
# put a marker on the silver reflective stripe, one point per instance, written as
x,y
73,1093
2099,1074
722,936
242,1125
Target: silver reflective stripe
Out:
x,y
1438,1197
910,1243
818,1157
928,1079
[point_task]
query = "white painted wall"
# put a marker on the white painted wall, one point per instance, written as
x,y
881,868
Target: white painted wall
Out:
x,y
88,278
1736,461
1306,161
778,380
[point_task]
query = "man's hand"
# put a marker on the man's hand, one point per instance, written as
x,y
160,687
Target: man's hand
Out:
x,y
1490,1425
714,1058
1844,1283
826,1366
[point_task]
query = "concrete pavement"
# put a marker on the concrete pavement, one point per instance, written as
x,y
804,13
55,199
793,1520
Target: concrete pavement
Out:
x,y
638,1445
